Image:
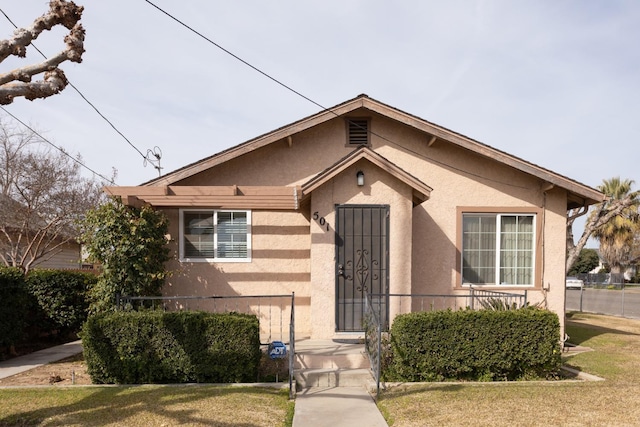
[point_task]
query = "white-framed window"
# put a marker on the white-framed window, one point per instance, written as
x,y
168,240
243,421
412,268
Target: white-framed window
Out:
x,y
215,235
498,249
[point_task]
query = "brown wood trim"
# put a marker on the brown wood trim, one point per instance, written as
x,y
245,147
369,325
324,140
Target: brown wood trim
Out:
x,y
575,188
221,197
421,190
538,268
259,142
592,195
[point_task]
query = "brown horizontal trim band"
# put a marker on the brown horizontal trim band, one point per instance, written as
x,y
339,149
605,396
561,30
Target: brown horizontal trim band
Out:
x,y
219,199
281,254
202,190
265,277
280,230
235,204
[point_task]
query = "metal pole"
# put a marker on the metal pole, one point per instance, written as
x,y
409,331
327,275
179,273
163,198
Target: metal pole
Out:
x,y
292,344
581,292
379,332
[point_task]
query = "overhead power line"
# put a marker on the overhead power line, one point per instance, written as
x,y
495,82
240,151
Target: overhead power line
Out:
x,y
289,88
154,159
58,148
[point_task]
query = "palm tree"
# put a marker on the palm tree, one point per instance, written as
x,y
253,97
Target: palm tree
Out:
x,y
617,235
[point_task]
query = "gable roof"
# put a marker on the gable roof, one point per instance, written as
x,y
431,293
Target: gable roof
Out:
x,y
579,194
421,191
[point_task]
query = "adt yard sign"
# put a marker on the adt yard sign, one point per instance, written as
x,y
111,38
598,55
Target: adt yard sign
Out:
x,y
277,350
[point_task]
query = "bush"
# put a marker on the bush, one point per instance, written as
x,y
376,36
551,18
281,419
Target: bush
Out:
x,y
13,305
482,345
61,299
130,347
129,244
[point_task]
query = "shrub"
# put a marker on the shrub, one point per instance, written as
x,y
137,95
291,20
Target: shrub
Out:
x,y
13,305
61,297
129,243
479,345
130,347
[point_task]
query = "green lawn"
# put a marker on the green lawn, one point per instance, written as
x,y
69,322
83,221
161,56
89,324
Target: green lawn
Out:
x,y
146,406
613,402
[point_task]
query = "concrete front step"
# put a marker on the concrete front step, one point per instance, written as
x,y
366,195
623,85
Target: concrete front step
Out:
x,y
306,378
330,354
338,361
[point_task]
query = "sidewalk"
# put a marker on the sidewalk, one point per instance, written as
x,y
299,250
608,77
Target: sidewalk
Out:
x,y
29,361
335,407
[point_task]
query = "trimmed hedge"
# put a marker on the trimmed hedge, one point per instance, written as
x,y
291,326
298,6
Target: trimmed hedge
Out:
x,y
61,296
13,305
155,347
482,345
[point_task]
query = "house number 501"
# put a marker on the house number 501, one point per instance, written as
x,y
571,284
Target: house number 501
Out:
x,y
320,219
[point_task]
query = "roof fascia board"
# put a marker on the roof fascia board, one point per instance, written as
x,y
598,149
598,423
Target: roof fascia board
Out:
x,y
258,142
483,150
363,101
365,153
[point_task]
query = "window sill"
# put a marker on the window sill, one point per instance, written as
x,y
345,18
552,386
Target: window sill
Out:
x,y
496,288
214,260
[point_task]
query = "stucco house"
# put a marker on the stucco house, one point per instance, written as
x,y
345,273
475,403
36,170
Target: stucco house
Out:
x,y
364,197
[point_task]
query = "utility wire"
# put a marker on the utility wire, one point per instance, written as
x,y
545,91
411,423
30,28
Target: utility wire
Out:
x,y
146,159
325,109
289,88
58,148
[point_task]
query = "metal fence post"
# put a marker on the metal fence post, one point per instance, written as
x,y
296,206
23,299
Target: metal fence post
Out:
x,y
292,344
378,367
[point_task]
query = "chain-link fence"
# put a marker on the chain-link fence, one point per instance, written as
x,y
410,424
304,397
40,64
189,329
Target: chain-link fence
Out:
x,y
619,299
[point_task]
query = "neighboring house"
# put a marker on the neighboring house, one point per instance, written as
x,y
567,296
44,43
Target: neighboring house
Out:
x,y
359,197
66,257
66,252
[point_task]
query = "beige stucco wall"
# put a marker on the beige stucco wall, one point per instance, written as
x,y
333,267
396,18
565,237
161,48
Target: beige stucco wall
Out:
x,y
380,189
279,266
292,253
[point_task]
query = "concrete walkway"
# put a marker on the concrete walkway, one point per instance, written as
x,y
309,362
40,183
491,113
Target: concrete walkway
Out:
x,y
29,361
336,407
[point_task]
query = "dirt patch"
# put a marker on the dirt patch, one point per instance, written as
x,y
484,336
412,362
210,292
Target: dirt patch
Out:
x,y
69,371
73,371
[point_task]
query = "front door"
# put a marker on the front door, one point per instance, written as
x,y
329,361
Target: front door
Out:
x,y
362,263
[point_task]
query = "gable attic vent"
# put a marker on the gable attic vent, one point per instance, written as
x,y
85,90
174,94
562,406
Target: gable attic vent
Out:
x,y
358,131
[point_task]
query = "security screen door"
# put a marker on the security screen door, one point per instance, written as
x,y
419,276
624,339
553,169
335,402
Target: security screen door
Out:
x,y
362,263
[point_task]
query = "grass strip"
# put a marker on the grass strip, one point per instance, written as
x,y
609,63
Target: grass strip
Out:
x,y
145,405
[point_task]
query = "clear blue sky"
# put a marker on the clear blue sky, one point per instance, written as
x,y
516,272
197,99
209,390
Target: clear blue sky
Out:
x,y
556,83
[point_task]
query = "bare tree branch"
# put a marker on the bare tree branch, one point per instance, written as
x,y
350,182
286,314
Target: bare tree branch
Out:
x,y
18,82
42,198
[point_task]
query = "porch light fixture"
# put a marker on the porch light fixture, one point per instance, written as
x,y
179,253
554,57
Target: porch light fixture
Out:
x,y
360,178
